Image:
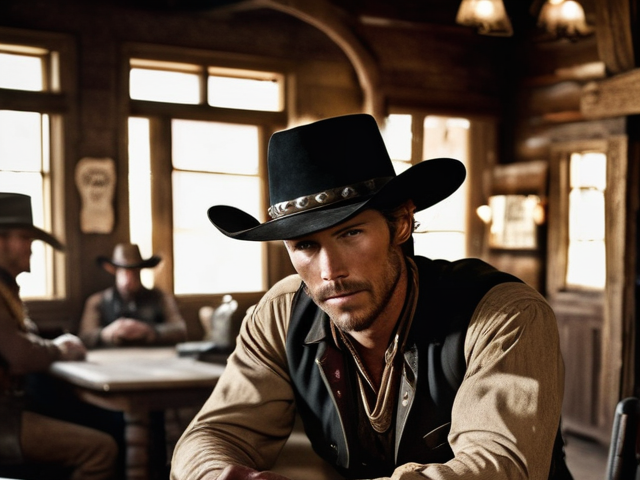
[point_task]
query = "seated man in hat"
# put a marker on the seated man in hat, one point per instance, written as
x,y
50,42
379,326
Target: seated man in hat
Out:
x,y
399,366
129,313
27,437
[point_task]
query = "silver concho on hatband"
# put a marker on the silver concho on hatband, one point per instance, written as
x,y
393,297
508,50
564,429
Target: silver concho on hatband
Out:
x,y
327,197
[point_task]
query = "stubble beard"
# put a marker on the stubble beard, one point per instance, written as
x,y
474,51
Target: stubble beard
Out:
x,y
351,320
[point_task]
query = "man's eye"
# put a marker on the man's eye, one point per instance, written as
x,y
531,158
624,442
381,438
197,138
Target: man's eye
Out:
x,y
303,245
351,233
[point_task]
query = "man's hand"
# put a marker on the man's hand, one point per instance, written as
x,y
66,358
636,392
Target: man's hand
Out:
x,y
71,347
238,472
125,330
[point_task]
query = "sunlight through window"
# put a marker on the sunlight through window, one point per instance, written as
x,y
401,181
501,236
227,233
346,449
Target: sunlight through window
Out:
x,y
207,171
246,93
24,170
140,219
442,231
586,266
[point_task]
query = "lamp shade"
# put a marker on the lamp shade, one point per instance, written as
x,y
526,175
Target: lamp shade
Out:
x,y
563,18
488,16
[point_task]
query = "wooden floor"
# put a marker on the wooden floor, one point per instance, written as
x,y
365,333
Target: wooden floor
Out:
x,y
586,459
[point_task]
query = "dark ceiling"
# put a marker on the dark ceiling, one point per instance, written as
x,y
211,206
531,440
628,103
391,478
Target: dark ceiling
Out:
x,y
522,13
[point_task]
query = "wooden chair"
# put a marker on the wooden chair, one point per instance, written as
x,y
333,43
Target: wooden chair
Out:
x,y
623,458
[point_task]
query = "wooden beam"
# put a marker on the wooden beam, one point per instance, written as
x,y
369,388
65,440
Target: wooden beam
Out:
x,y
614,97
327,18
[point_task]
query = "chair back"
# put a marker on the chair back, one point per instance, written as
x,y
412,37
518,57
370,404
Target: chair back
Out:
x,y
623,458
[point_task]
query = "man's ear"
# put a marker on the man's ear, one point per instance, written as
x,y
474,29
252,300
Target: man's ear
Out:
x,y
404,227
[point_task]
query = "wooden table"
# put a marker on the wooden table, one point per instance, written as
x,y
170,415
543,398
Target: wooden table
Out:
x,y
137,381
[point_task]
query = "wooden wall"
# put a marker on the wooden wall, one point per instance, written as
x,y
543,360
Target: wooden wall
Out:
x,y
447,69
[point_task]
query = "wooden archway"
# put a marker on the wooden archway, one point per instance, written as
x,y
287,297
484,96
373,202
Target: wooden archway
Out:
x,y
330,20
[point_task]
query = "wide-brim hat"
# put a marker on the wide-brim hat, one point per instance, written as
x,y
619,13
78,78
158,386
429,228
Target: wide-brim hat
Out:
x,y
15,212
325,172
127,255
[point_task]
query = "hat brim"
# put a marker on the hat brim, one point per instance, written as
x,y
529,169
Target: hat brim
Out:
x,y
109,265
37,234
426,183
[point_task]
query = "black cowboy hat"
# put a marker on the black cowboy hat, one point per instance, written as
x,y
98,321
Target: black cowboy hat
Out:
x,y
15,212
325,172
127,255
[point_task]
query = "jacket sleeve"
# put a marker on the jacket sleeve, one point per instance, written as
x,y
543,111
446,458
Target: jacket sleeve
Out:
x,y
23,352
506,413
250,413
90,325
174,328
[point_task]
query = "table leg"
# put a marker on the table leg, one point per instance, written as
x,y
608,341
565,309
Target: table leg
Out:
x,y
137,439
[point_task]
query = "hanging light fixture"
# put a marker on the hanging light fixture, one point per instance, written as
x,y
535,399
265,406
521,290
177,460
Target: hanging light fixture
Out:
x,y
563,18
488,16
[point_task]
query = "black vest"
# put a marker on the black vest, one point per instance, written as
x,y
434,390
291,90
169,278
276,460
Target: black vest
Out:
x,y
146,307
449,294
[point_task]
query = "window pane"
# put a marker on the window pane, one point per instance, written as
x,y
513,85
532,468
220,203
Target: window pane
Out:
x,y
164,86
586,263
21,72
587,266
589,170
445,245
513,221
140,221
206,261
215,147
21,141
245,93
586,215
398,137
445,137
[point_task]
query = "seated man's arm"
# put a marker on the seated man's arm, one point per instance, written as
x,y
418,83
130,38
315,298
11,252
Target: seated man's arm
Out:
x,y
24,352
506,413
90,325
174,328
250,413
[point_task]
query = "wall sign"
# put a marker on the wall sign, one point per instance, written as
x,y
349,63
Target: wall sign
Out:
x,y
96,182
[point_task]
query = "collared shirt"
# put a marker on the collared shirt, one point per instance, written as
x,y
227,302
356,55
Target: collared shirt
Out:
x,y
504,417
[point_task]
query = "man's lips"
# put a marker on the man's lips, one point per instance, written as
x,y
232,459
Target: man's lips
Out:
x,y
341,297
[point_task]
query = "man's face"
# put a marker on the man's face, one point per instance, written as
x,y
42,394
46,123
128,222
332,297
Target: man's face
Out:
x,y
350,270
128,281
15,250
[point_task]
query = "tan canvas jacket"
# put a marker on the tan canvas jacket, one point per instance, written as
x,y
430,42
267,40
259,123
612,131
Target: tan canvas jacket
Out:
x,y
505,415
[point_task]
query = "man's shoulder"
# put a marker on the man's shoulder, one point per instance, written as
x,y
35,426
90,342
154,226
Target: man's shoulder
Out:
x,y
107,293
462,273
281,293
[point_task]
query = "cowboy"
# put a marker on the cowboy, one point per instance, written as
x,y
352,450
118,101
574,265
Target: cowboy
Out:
x,y
28,438
129,313
399,366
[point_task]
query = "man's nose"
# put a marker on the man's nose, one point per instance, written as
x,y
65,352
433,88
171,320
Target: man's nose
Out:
x,y
332,264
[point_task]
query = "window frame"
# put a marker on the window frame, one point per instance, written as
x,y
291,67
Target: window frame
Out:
x,y
481,158
160,115
56,101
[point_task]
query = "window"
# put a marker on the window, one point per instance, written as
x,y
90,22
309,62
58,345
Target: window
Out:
x,y
214,163
214,157
27,139
413,138
586,263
